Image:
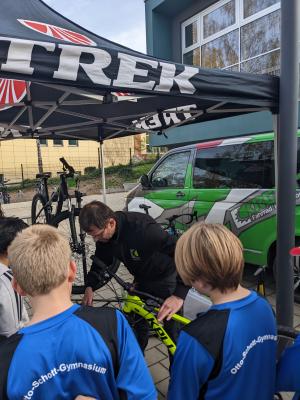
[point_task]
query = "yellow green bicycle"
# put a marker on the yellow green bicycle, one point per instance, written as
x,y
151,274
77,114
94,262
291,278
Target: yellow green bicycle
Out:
x,y
142,304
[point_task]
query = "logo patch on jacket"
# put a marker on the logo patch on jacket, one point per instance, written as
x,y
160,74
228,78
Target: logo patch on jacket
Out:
x,y
134,254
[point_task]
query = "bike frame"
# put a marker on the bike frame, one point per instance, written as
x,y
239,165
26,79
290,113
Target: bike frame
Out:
x,y
134,304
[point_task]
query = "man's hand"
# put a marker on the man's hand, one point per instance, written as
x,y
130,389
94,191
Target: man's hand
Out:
x,y
171,305
80,397
88,297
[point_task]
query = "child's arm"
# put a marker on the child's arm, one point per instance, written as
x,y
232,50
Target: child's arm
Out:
x,y
190,370
8,311
288,369
133,377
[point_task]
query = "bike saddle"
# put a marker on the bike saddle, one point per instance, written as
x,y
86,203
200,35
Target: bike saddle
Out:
x,y
144,207
43,175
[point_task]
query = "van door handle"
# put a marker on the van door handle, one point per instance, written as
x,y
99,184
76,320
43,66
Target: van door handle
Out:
x,y
180,194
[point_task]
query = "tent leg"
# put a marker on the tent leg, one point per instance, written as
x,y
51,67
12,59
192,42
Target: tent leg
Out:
x,y
287,161
103,173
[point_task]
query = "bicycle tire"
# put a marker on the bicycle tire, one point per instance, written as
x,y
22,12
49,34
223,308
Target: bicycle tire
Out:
x,y
287,332
36,216
59,204
81,254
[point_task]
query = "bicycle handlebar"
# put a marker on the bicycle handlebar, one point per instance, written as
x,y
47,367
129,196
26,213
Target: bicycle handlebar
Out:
x,y
125,285
67,166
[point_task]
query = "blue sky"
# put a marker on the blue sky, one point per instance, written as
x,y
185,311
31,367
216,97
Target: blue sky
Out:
x,y
122,21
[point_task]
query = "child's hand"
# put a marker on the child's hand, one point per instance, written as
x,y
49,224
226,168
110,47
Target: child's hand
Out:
x,y
84,398
171,305
88,297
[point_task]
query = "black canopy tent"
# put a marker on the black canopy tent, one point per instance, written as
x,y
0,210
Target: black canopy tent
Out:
x,y
73,72
69,81
59,80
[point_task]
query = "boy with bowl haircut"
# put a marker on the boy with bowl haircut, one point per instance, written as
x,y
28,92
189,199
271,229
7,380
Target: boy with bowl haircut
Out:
x,y
229,352
66,350
13,314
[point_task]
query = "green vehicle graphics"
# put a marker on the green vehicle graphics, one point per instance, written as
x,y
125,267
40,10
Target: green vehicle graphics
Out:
x,y
228,181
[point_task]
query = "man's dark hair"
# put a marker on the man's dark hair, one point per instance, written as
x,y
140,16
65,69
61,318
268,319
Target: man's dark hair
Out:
x,y
9,228
95,213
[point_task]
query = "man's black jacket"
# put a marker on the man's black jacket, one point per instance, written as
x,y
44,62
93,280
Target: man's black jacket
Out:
x,y
143,246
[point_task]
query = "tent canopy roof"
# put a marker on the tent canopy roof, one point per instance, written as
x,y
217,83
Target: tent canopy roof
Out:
x,y
59,80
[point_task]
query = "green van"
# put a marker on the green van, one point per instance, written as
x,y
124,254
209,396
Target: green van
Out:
x,y
227,181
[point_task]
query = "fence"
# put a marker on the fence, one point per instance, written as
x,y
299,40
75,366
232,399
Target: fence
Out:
x,y
22,172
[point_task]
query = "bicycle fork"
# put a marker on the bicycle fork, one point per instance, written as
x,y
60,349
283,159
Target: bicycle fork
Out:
x,y
77,246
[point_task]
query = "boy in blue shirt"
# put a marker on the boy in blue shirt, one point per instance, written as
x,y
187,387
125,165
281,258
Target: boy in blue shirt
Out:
x,y
288,367
229,352
288,370
66,350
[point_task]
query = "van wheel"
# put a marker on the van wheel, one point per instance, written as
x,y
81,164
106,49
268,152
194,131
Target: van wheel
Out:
x,y
296,261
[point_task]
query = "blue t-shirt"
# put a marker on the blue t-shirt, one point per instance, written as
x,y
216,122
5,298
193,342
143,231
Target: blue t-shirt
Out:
x,y
288,370
65,356
228,353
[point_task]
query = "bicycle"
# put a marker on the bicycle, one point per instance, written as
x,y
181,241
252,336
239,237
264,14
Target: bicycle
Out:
x,y
136,302
45,207
49,209
170,226
4,195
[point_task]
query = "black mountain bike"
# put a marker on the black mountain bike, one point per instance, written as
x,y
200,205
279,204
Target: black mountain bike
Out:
x,y
4,195
170,225
59,210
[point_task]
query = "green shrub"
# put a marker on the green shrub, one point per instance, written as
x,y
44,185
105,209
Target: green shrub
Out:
x,y
89,170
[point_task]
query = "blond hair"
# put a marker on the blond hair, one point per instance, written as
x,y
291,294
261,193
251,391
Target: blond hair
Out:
x,y
39,257
212,253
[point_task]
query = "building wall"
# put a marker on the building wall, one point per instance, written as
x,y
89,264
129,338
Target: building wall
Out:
x,y
22,153
170,47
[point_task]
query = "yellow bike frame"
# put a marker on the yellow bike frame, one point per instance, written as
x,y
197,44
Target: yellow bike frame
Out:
x,y
134,304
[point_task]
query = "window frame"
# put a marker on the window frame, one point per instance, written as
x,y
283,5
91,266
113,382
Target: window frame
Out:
x,y
240,21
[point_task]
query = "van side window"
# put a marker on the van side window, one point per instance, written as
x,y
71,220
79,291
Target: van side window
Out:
x,y
247,165
171,171
298,162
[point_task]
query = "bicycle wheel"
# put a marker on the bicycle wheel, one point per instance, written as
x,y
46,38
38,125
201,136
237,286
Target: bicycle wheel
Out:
x,y
285,338
82,248
39,214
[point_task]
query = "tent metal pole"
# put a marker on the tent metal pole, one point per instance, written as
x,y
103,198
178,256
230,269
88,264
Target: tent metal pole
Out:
x,y
103,173
287,160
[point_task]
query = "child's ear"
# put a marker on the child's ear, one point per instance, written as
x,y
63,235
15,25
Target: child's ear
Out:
x,y
201,286
72,271
17,287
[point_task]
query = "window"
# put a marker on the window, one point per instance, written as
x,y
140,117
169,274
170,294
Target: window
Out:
x,y
73,142
252,7
250,165
171,171
57,142
43,142
266,64
192,57
221,52
260,36
191,35
219,19
298,162
237,35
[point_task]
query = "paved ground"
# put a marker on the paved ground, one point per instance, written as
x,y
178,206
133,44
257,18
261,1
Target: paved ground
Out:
x,y
156,354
